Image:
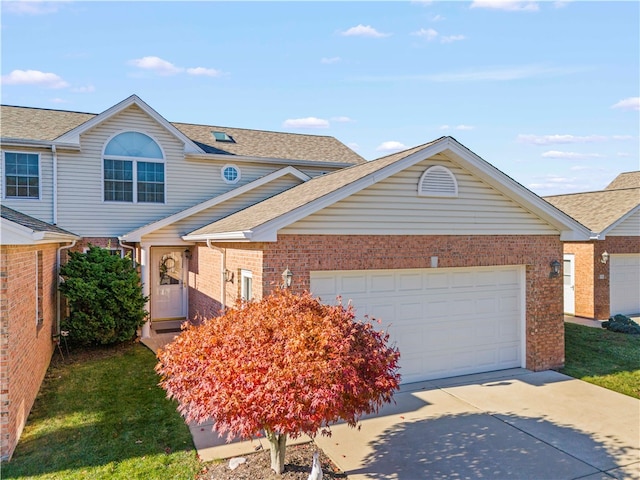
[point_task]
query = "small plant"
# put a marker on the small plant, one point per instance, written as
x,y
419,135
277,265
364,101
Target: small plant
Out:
x,y
622,324
105,298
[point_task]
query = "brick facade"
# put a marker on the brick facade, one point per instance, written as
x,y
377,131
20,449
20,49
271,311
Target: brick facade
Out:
x,y
305,253
25,347
592,292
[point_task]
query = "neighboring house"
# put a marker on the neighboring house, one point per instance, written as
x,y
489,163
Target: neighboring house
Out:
x,y
602,276
453,256
29,249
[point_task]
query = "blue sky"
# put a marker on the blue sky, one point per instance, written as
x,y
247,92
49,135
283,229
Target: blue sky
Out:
x,y
548,92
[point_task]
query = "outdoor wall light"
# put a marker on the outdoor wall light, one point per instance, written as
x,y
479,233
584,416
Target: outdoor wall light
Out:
x,y
604,258
228,276
286,278
187,254
555,269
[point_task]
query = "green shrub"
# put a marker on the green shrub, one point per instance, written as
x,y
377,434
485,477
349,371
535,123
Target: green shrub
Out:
x,y
105,298
622,324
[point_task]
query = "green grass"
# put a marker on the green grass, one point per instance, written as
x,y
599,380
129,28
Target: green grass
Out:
x,y
608,359
102,415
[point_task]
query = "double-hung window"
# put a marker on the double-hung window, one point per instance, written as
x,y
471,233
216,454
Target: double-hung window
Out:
x,y
133,169
21,175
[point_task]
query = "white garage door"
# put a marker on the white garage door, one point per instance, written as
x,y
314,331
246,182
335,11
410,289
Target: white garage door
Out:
x,y
446,322
625,283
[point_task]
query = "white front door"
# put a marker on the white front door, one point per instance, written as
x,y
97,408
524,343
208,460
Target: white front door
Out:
x,y
569,275
167,284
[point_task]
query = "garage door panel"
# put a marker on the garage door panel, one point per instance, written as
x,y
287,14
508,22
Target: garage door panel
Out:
x,y
625,283
445,322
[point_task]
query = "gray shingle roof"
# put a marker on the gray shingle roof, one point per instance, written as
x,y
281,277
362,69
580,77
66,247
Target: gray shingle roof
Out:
x,y
625,180
43,124
300,195
597,210
30,222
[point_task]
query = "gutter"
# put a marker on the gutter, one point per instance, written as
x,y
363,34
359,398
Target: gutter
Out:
x,y
223,267
58,294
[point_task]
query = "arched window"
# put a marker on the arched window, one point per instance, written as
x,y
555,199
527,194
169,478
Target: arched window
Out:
x,y
129,156
438,181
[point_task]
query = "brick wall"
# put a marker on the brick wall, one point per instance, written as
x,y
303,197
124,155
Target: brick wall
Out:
x,y
25,348
592,276
305,253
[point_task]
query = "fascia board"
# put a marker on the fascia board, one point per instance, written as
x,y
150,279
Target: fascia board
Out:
x,y
136,235
73,136
245,236
23,142
28,236
603,234
16,230
521,195
281,161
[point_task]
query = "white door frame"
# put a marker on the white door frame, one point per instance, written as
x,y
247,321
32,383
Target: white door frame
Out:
x,y
569,283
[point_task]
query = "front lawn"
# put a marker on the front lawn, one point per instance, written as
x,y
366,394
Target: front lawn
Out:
x,y
100,414
608,359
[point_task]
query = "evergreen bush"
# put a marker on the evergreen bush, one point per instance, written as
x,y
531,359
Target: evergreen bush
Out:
x,y
105,298
622,324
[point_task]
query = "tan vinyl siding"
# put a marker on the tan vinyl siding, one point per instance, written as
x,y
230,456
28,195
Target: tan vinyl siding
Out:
x,y
182,227
41,209
393,206
629,228
187,183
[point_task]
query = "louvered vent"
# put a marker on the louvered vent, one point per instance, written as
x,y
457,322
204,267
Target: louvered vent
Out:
x,y
438,181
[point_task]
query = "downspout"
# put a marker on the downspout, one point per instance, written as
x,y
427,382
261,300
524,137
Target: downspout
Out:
x,y
54,152
58,294
127,247
223,267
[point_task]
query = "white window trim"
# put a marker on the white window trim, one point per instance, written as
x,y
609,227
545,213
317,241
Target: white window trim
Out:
x,y
4,177
224,179
135,161
244,276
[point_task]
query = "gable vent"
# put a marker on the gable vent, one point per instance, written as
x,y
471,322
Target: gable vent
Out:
x,y
438,181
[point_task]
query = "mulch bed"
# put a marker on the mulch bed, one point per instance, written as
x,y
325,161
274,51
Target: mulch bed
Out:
x,y
298,461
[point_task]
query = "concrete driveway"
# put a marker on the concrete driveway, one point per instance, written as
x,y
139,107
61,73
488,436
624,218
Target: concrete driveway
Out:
x,y
501,425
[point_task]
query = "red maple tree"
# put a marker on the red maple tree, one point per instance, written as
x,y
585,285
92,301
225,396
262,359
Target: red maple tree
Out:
x,y
285,365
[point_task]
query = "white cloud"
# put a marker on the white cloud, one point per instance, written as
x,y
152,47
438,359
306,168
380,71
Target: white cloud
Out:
x,y
353,146
157,65
429,34
30,7
570,155
206,72
565,139
330,60
437,18
364,31
341,119
631,103
87,89
391,146
309,122
452,38
444,127
58,100
507,5
34,77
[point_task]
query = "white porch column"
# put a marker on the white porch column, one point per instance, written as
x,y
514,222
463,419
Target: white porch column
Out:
x,y
145,259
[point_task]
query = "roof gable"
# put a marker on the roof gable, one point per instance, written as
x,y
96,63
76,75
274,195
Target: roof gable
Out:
x,y
262,221
625,180
599,211
73,136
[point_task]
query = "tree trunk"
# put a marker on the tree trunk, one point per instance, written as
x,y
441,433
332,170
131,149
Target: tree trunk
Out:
x,y
277,444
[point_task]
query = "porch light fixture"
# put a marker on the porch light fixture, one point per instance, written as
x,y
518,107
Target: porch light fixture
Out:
x,y
187,254
604,258
555,269
228,276
286,278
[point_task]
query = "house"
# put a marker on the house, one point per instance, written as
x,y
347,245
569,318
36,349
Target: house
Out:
x,y
456,259
602,275
29,253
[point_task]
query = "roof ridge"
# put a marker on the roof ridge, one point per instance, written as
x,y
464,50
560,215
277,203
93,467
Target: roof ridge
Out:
x,y
48,109
591,192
